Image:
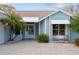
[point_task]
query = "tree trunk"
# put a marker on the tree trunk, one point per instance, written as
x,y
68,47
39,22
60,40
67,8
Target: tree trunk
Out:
x,y
11,39
10,35
22,35
14,37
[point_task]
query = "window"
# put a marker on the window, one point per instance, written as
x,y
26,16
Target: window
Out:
x,y
61,26
55,32
61,32
58,29
55,26
30,29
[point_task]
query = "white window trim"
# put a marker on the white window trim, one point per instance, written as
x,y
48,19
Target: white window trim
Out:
x,y
30,19
60,21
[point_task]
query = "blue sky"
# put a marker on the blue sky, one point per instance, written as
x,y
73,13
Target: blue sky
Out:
x,y
36,6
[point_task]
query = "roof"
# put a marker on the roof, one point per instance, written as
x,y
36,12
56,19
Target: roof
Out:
x,y
39,14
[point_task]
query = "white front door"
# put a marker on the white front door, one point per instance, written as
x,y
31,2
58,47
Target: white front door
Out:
x,y
30,31
58,31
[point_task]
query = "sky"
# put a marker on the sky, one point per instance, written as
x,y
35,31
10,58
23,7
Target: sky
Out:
x,y
36,6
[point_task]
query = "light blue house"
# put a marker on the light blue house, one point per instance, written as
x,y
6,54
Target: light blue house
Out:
x,y
55,25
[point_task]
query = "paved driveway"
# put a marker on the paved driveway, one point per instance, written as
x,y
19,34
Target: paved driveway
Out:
x,y
34,48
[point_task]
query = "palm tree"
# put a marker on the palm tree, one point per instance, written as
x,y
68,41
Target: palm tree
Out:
x,y
74,26
14,22
7,8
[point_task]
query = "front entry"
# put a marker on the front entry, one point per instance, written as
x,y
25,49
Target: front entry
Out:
x,y
30,31
59,31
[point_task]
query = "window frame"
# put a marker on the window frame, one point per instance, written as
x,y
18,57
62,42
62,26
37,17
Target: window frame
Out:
x,y
27,28
58,29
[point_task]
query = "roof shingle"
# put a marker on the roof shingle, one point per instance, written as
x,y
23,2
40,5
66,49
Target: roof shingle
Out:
x,y
39,14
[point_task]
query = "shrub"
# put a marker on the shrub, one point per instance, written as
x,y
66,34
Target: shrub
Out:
x,y
77,42
42,38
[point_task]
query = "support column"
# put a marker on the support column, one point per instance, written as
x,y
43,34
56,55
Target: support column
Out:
x,y
45,25
34,31
39,27
50,30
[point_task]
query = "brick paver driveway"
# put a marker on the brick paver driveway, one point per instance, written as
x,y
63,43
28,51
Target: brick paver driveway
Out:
x,y
33,47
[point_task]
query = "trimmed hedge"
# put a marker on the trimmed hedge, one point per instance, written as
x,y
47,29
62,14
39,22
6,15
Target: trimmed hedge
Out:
x,y
42,38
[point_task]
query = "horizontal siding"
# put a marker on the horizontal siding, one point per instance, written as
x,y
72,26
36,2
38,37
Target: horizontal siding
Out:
x,y
47,26
42,27
60,16
74,35
2,39
7,33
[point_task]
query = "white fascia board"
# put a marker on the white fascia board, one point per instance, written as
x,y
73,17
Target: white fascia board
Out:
x,y
60,21
30,19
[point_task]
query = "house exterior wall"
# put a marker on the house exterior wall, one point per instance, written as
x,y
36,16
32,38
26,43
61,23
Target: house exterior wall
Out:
x,y
56,16
6,33
47,26
60,16
2,33
22,35
73,35
42,27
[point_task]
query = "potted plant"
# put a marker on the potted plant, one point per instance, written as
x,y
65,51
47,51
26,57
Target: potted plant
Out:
x,y
43,38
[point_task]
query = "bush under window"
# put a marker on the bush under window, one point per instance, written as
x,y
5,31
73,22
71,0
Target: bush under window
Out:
x,y
42,38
